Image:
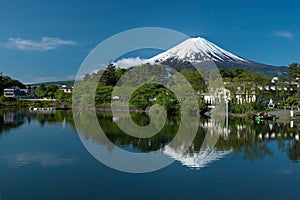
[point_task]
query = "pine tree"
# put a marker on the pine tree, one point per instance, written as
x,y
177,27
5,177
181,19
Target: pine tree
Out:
x,y
109,76
293,71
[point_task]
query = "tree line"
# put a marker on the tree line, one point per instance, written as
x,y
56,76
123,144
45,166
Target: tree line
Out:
x,y
145,96
238,79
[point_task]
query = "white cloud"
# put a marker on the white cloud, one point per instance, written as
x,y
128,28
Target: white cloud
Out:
x,y
284,34
45,44
130,62
124,63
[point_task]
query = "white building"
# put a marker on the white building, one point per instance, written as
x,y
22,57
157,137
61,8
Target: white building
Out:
x,y
245,97
66,89
18,93
216,95
274,80
116,98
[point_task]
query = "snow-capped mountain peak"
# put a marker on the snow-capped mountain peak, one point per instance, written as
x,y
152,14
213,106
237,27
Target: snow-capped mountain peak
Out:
x,y
199,51
196,50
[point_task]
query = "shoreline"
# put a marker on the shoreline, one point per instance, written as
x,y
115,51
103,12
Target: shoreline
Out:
x,y
283,115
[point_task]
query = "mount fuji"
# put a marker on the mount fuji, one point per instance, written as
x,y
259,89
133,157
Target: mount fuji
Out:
x,y
197,50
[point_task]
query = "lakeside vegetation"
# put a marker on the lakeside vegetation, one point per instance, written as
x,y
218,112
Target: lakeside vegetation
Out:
x,y
46,92
143,97
240,82
7,82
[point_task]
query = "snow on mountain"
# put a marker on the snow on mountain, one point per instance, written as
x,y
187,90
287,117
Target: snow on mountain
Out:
x,y
197,50
200,50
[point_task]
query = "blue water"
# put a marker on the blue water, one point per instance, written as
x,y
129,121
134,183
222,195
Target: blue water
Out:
x,y
48,161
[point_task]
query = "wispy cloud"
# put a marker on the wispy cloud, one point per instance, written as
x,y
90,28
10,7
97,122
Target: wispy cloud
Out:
x,y
124,63
130,62
45,44
284,34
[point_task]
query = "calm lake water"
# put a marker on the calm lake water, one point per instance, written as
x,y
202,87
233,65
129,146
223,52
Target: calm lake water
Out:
x,y
42,157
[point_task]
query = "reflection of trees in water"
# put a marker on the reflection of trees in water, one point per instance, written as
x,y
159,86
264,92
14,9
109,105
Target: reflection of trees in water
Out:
x,y
11,119
251,140
120,138
51,117
293,150
243,142
14,118
246,139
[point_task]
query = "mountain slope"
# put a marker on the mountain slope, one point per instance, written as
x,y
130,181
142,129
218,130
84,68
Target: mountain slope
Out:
x,y
197,50
7,82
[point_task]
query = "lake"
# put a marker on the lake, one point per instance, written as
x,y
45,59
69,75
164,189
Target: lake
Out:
x,y
42,156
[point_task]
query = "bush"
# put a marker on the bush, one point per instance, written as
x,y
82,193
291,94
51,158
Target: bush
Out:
x,y
6,100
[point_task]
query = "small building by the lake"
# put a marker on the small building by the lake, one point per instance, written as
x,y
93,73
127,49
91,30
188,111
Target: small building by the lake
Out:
x,y
65,88
18,93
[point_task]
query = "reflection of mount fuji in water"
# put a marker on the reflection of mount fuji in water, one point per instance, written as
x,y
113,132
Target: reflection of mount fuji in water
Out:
x,y
195,159
242,139
245,139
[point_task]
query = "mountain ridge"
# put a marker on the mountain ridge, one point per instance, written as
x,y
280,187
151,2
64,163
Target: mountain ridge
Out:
x,y
198,50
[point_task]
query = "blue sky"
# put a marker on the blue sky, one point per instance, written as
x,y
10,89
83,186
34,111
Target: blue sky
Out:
x,y
48,40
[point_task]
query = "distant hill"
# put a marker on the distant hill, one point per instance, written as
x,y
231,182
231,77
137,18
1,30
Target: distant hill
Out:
x,y
7,82
68,83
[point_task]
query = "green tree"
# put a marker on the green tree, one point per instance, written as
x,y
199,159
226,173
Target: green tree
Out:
x,y
46,91
119,73
86,77
59,95
109,76
103,94
40,92
293,71
195,79
62,97
50,90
